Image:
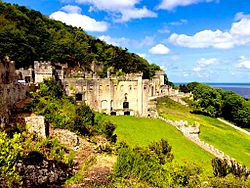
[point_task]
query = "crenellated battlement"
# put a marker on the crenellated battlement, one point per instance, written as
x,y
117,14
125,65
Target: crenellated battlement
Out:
x,y
42,70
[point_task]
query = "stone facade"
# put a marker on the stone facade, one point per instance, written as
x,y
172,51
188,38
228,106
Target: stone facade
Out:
x,y
42,70
115,95
11,92
25,74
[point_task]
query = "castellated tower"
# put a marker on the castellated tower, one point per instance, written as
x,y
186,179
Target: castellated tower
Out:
x,y
42,70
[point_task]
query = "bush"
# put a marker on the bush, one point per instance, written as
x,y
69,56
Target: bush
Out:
x,y
52,88
220,167
10,149
149,166
163,151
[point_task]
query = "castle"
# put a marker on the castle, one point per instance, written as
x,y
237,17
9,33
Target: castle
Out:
x,y
11,92
115,95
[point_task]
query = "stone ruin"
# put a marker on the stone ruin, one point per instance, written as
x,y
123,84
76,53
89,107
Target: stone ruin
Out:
x,y
11,92
36,124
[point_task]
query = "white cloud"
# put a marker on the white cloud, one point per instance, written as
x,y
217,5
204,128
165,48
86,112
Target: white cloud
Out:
x,y
203,62
72,9
135,13
196,69
164,30
147,41
243,63
71,15
142,55
159,49
122,42
120,10
125,42
171,4
178,23
239,34
203,39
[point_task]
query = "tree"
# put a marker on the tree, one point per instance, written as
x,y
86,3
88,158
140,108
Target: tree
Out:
x,y
52,88
207,100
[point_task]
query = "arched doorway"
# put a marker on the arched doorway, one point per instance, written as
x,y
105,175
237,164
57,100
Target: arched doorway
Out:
x,y
125,105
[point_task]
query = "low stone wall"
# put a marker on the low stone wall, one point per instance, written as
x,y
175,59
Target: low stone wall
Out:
x,y
191,132
10,94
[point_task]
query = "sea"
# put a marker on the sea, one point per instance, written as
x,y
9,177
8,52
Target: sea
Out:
x,y
242,89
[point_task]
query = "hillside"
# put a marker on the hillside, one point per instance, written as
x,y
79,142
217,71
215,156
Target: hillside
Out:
x,y
227,139
27,35
143,131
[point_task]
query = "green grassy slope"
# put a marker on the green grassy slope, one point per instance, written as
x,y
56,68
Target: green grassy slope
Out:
x,y
230,141
143,131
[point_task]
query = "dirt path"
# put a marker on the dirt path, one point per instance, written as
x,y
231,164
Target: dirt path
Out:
x,y
235,127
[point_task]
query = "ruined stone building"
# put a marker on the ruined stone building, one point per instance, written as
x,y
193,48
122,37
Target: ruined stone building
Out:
x,y
116,95
10,90
42,70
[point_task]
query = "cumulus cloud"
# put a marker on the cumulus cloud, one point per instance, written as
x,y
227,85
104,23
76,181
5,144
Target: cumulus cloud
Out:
x,y
239,34
72,9
204,62
71,15
135,13
159,49
122,42
121,11
243,63
125,42
171,4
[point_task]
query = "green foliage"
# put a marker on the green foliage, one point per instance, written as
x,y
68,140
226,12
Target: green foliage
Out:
x,y
183,88
19,146
78,177
216,102
27,35
227,182
220,167
162,150
10,149
144,166
207,100
212,131
105,126
143,131
51,88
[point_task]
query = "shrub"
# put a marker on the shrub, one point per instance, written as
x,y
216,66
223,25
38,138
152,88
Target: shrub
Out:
x,y
52,88
220,167
10,149
163,151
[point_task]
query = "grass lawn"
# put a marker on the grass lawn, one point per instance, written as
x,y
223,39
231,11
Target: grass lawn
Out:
x,y
227,139
143,131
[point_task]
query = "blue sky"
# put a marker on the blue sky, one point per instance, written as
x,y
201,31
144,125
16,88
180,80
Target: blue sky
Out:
x,y
192,40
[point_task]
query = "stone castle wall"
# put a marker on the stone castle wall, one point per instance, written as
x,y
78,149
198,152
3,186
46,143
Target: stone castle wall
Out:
x,y
43,70
118,95
10,90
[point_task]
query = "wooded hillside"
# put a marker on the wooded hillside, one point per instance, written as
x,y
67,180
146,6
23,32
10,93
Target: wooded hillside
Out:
x,y
27,35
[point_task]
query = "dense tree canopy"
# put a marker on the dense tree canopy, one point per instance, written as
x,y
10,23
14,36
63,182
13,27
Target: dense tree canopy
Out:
x,y
27,35
216,102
